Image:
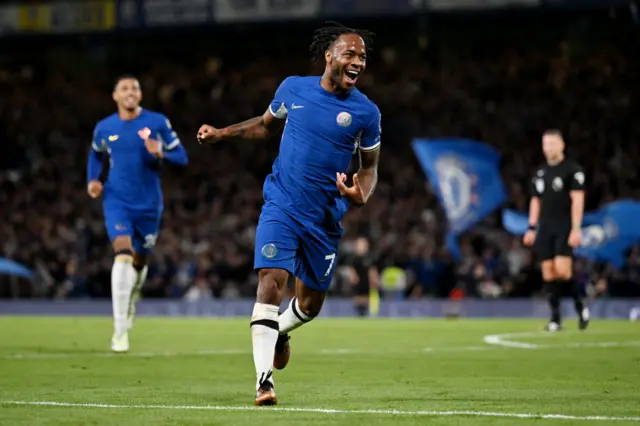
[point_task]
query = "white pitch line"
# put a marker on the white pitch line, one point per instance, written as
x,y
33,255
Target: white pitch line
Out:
x,y
425,413
506,340
492,344
501,340
117,355
600,344
328,351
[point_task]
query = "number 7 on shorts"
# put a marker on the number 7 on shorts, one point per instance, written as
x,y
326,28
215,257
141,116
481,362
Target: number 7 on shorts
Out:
x,y
331,257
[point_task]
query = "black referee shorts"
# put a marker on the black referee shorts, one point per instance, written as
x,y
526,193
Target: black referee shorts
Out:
x,y
551,243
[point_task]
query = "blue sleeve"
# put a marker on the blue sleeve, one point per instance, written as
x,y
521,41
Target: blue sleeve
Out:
x,y
167,135
278,107
370,138
96,156
176,155
173,151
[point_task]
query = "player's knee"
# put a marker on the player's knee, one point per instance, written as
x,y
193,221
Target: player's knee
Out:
x,y
549,276
271,283
273,277
124,256
121,243
548,272
563,272
563,267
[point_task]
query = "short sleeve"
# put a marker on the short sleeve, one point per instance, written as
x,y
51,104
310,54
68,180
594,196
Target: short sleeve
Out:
x,y
98,143
537,184
372,131
167,135
278,107
577,179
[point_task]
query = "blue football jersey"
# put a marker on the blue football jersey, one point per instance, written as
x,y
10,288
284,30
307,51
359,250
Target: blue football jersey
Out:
x,y
322,132
134,174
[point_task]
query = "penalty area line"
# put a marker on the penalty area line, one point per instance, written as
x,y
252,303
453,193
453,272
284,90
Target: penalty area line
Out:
x,y
425,413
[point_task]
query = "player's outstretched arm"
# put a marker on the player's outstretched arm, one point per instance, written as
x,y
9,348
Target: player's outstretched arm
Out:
x,y
257,128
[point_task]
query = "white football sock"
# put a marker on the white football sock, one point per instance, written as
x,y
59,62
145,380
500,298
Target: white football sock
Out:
x,y
585,314
142,276
293,317
264,334
123,278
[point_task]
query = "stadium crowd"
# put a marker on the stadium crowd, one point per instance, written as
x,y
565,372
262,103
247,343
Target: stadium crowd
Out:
x,y
456,79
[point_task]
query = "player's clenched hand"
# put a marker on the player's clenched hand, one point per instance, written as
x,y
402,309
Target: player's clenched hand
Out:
x,y
94,188
354,193
209,134
575,238
529,238
153,147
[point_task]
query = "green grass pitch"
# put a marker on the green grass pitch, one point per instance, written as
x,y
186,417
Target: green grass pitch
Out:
x,y
184,371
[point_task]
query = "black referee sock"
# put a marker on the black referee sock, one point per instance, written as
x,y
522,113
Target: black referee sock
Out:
x,y
362,310
554,300
577,298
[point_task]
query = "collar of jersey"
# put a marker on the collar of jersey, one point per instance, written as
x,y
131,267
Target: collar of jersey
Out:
x,y
332,94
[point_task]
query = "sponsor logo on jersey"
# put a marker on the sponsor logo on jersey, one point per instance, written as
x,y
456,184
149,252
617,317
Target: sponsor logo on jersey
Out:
x,y
113,138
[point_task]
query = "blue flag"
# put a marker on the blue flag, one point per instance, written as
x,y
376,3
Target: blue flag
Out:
x,y
606,233
466,178
11,267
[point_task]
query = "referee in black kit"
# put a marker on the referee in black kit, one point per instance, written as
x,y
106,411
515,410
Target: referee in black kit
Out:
x,y
555,219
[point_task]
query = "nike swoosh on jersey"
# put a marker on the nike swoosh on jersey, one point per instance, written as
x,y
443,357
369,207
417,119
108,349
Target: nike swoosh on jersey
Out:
x,y
113,138
294,106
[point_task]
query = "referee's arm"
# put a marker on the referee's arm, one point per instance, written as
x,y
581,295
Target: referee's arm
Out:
x,y
534,215
534,212
534,204
577,199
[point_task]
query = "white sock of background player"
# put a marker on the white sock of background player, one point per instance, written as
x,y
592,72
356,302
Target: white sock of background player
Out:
x,y
123,278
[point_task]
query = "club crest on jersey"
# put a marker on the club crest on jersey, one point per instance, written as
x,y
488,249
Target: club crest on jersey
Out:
x,y
144,133
344,119
269,251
